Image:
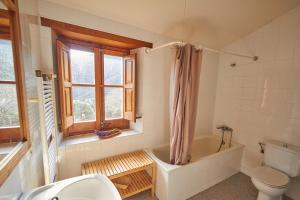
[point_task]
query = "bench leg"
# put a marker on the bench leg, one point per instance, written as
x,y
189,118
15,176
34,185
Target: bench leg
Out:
x,y
153,180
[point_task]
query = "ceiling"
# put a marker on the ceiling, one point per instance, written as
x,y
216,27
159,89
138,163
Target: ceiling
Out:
x,y
213,23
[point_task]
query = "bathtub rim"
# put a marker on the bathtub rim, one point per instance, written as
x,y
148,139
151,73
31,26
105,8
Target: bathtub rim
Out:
x,y
169,167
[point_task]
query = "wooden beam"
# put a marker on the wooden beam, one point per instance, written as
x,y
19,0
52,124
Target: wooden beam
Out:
x,y
4,25
9,4
4,29
90,46
91,35
4,14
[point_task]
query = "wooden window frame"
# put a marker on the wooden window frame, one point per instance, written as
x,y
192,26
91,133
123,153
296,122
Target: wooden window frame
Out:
x,y
13,158
99,51
87,126
121,123
10,134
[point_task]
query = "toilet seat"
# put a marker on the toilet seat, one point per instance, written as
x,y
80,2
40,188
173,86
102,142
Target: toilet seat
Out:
x,y
271,177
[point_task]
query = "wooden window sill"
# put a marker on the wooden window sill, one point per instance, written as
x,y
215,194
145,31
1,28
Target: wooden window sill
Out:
x,y
9,162
92,137
6,148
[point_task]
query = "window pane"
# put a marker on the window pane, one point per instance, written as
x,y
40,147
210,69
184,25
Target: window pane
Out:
x,y
113,70
9,115
6,61
84,104
82,67
113,103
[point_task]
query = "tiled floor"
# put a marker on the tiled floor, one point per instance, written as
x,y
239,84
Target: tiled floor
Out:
x,y
237,187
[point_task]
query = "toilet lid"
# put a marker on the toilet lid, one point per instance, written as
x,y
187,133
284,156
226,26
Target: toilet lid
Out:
x,y
270,176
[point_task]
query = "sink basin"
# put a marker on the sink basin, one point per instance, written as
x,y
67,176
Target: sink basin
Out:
x,y
88,187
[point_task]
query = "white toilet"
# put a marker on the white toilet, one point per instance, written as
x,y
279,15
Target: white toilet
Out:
x,y
281,162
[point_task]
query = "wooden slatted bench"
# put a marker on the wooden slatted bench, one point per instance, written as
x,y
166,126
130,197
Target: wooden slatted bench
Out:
x,y
131,173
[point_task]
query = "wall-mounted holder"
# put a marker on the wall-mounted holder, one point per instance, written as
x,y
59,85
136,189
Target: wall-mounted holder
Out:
x,y
233,64
33,100
39,73
262,147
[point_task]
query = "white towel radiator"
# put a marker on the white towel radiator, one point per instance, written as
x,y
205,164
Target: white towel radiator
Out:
x,y
46,99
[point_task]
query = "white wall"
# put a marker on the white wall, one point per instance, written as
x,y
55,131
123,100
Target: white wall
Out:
x,y
262,99
207,93
155,121
29,172
153,72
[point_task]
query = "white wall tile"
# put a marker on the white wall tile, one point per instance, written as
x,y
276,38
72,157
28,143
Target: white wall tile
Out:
x,y
269,98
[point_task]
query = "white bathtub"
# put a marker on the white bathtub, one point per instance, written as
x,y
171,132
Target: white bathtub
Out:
x,y
206,169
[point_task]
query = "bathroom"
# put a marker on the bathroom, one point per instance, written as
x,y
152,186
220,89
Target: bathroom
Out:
x,y
248,82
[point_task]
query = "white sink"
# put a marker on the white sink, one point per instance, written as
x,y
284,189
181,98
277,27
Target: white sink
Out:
x,y
88,187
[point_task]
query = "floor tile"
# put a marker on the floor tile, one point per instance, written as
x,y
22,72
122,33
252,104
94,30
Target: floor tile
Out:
x,y
237,187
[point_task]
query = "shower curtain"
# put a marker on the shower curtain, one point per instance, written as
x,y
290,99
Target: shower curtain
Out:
x,y
183,102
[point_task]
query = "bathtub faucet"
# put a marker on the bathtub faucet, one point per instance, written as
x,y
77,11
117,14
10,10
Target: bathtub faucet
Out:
x,y
224,128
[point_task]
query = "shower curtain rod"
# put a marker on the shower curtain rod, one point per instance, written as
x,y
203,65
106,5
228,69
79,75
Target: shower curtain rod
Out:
x,y
148,50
